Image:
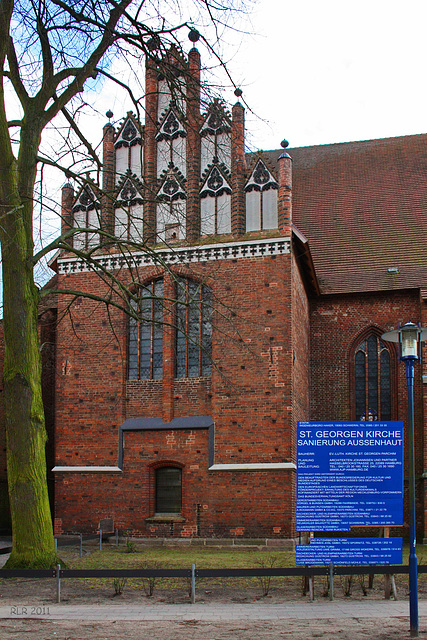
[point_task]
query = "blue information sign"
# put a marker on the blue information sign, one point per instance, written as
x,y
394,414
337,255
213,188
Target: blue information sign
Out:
x,y
349,473
350,551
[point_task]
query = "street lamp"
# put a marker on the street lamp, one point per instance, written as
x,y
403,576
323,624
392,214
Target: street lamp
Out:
x,y
409,336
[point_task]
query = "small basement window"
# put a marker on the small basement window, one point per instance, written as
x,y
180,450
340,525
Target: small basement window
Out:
x,y
168,490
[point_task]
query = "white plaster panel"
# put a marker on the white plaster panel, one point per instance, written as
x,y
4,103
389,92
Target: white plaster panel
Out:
x,y
167,214
207,152
164,97
163,156
224,149
224,213
93,220
136,160
121,223
253,211
179,154
269,209
122,162
79,222
207,214
136,215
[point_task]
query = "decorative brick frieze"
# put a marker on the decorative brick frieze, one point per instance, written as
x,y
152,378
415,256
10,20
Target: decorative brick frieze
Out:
x,y
204,253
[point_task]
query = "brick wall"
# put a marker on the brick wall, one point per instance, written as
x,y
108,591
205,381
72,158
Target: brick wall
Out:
x,y
336,325
249,396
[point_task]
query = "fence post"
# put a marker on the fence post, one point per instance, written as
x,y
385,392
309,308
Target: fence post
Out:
x,y
331,581
58,583
56,544
117,537
81,545
310,588
193,583
100,539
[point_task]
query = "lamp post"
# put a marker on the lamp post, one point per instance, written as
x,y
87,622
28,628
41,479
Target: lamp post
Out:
x,y
409,336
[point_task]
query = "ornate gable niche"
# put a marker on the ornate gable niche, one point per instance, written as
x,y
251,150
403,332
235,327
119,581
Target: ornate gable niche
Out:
x,y
171,142
128,206
215,180
129,133
86,200
172,185
261,198
217,120
171,127
261,178
130,191
171,206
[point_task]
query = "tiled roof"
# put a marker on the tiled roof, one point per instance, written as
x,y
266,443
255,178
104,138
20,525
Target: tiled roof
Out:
x,y
363,208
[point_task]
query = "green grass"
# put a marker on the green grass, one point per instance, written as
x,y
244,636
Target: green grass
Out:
x,y
155,557
178,558
146,557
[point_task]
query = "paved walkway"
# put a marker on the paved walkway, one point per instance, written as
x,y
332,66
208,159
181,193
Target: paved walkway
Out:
x,y
215,612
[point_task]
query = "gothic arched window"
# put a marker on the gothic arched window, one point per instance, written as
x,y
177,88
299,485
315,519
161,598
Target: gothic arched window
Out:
x,y
373,368
193,332
145,351
193,336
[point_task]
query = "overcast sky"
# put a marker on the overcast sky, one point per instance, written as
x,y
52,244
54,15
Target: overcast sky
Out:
x,y
335,71
312,72
320,72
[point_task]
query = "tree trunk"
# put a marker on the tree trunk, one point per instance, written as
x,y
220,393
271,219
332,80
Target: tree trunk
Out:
x,y
33,542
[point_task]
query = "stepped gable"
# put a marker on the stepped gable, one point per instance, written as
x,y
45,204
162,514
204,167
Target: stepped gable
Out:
x,y
362,206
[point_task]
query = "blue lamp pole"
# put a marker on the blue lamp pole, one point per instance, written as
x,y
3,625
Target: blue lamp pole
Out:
x,y
409,337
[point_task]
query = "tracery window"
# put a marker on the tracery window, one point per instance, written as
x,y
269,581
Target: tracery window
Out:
x,y
373,380
145,353
193,336
193,332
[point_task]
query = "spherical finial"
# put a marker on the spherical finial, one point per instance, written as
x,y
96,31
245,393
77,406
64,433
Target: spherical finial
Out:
x,y
284,144
238,92
193,35
109,114
153,43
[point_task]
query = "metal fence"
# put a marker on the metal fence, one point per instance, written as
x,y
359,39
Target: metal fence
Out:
x,y
192,573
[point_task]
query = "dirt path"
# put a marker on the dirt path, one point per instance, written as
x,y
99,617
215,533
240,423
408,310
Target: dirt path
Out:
x,y
371,629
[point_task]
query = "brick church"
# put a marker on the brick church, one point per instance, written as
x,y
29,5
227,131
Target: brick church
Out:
x,y
258,299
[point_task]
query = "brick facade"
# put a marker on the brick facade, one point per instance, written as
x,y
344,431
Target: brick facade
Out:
x,y
287,318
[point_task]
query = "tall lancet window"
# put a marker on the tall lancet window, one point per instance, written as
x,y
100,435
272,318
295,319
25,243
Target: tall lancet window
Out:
x,y
373,379
261,199
145,348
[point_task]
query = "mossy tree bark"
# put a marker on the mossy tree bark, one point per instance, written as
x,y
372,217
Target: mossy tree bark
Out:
x,y
33,541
